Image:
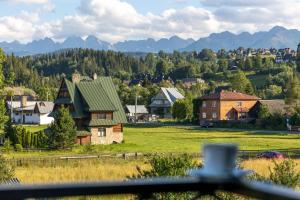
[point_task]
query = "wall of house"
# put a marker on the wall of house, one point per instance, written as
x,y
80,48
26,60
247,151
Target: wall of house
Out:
x,y
209,109
226,106
111,136
32,118
45,119
222,108
83,140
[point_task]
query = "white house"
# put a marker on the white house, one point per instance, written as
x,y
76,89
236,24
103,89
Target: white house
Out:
x,y
30,112
162,102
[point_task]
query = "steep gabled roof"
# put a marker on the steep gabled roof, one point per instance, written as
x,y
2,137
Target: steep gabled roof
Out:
x,y
109,87
172,94
75,99
228,95
44,107
95,96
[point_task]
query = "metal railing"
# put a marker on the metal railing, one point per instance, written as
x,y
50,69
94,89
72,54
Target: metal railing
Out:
x,y
219,174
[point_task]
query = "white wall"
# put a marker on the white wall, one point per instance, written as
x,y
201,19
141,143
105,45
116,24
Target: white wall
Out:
x,y
33,118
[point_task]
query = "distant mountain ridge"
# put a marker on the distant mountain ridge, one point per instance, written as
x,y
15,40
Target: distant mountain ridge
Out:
x,y
277,37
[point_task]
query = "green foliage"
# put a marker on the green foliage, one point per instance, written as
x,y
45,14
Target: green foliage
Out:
x,y
295,118
62,131
3,115
241,83
6,171
19,135
168,166
7,146
285,173
292,96
263,112
18,147
2,60
179,109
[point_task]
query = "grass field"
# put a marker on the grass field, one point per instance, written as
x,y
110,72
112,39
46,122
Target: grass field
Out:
x,y
104,169
181,139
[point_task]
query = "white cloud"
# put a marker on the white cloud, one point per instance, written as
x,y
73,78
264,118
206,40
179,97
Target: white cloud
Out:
x,y
115,20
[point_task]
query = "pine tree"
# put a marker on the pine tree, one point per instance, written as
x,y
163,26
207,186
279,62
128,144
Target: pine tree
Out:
x,y
62,131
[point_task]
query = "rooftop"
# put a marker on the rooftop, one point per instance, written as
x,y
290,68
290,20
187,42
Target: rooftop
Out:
x,y
228,95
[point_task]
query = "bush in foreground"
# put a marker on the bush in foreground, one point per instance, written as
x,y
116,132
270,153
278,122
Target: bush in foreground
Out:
x,y
168,166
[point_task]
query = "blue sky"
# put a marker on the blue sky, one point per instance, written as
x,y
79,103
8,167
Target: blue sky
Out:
x,y
118,20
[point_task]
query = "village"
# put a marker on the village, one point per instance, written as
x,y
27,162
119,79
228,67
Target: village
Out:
x,y
149,100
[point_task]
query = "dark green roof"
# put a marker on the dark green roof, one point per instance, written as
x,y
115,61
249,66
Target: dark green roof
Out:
x,y
76,99
102,122
95,95
109,87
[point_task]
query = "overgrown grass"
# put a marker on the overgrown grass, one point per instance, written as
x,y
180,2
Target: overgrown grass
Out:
x,y
180,139
105,169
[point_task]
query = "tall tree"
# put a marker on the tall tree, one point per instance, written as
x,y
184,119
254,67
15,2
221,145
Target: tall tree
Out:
x,y
62,130
241,83
292,96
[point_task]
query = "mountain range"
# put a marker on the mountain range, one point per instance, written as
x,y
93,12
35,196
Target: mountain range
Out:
x,y
277,37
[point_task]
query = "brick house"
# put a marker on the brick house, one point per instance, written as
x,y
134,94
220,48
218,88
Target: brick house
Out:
x,y
226,105
95,107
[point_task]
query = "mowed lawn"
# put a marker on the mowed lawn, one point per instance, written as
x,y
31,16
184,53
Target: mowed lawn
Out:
x,y
190,139
179,139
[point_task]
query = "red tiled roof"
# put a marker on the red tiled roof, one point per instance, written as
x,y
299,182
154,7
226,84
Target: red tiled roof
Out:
x,y
227,95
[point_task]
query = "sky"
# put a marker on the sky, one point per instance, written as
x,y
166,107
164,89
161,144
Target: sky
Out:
x,y
119,20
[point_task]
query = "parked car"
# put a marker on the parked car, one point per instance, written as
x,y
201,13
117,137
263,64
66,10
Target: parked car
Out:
x,y
270,155
206,124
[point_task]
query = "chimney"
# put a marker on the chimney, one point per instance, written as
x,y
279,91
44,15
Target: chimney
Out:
x,y
76,77
95,76
24,101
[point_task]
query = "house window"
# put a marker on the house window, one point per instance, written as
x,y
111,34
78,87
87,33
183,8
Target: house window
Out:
x,y
101,116
214,115
204,104
239,103
214,104
101,132
203,115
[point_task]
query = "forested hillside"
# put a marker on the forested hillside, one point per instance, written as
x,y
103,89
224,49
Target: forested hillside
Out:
x,y
256,74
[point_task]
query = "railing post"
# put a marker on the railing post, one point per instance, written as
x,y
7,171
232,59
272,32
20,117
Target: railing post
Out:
x,y
219,161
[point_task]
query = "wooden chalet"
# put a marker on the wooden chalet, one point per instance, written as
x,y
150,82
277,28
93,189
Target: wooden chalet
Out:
x,y
95,107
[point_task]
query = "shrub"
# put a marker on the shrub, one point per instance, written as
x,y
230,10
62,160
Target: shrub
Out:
x,y
6,171
7,146
168,166
18,147
284,173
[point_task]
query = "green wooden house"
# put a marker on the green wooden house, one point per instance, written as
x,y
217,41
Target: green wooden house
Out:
x,y
95,107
